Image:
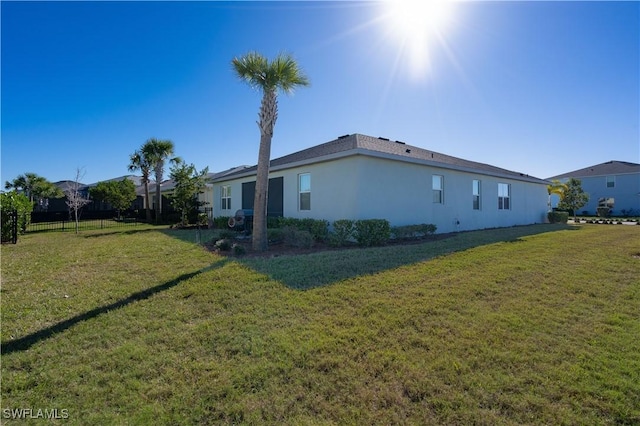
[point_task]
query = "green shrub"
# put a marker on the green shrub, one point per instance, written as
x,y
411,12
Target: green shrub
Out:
x,y
297,238
318,228
203,219
14,201
372,232
221,222
342,232
238,249
223,245
227,234
558,217
275,235
413,231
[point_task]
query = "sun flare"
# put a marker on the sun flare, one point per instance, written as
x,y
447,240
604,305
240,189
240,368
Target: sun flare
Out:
x,y
417,24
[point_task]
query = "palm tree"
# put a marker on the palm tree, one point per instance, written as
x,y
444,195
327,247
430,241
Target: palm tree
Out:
x,y
556,187
139,161
281,74
35,187
157,152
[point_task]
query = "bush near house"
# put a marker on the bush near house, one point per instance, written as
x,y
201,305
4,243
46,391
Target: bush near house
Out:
x,y
221,222
372,232
342,232
411,232
297,238
318,228
558,217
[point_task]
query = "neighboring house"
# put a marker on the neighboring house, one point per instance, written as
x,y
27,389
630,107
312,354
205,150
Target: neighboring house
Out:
x,y
59,204
614,182
363,177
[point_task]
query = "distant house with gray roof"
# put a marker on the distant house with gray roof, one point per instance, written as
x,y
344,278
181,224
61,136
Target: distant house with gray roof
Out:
x,y
616,182
362,177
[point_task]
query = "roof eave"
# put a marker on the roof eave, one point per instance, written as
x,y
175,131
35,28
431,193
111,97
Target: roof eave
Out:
x,y
383,155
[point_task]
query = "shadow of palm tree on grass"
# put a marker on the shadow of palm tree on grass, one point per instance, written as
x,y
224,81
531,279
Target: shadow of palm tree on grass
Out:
x,y
24,343
120,231
304,272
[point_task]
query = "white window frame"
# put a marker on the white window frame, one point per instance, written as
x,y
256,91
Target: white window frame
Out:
x,y
437,185
476,190
504,196
225,197
610,181
302,191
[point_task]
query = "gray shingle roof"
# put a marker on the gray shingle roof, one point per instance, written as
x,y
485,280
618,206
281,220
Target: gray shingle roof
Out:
x,y
368,145
605,169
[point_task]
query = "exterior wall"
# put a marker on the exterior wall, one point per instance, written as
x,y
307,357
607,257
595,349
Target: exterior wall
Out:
x,y
402,193
626,193
363,187
207,197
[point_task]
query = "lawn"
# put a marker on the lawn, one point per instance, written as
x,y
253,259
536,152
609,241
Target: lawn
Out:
x,y
527,325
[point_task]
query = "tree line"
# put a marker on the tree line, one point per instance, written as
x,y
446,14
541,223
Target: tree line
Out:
x,y
29,190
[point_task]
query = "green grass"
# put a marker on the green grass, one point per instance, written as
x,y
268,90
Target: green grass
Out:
x,y
530,325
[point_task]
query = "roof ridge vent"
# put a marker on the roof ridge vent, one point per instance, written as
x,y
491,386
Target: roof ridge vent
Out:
x,y
400,142
383,139
343,136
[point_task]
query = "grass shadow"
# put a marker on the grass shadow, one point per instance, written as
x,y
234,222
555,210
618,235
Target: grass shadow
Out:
x,y
25,342
197,236
304,272
120,231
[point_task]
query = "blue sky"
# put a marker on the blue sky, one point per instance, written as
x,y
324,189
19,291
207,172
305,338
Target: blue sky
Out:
x,y
540,88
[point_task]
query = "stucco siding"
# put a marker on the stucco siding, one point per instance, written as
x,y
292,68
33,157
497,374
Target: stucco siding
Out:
x,y
365,187
625,193
403,194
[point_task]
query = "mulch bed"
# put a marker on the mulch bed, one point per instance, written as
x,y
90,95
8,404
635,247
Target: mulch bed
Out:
x,y
281,249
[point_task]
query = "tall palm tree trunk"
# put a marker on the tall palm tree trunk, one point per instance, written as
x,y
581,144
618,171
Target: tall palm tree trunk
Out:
x,y
268,116
147,201
260,241
158,192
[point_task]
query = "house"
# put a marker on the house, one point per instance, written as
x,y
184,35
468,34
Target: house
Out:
x,y
363,177
614,183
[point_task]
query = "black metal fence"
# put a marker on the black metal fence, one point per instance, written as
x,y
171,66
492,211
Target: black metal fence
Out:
x,y
83,225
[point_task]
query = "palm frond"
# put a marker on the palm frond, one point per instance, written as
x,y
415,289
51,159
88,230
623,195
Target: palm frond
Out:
x,y
282,73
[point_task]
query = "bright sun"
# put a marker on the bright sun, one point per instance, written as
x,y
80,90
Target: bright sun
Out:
x,y
416,24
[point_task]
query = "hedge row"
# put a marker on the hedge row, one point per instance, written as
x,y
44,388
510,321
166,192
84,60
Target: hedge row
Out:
x,y
366,232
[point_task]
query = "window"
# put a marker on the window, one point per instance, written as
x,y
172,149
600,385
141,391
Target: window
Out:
x,y
611,181
438,189
225,197
476,194
304,191
504,196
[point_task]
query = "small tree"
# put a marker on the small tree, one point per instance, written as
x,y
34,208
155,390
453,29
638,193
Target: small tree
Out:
x,y
556,187
139,160
120,194
75,199
188,184
574,197
158,152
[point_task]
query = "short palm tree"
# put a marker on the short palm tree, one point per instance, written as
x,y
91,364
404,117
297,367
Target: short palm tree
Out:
x,y
157,152
556,187
139,161
281,74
